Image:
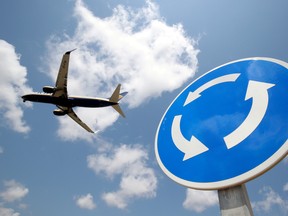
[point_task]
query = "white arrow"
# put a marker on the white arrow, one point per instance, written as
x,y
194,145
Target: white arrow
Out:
x,y
259,94
189,148
197,93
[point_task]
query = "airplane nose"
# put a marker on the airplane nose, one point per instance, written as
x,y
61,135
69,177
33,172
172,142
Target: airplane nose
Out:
x,y
24,98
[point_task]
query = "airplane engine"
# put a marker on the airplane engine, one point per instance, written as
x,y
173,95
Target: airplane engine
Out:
x,y
48,89
59,112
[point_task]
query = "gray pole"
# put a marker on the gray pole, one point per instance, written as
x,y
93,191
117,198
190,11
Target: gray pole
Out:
x,y
234,201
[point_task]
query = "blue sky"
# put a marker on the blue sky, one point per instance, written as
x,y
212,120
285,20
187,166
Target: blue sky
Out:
x,y
51,166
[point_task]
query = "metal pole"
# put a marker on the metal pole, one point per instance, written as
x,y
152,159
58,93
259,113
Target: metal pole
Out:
x,y
234,201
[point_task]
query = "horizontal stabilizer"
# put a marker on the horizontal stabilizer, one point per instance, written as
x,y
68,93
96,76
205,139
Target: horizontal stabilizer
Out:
x,y
123,94
118,109
115,97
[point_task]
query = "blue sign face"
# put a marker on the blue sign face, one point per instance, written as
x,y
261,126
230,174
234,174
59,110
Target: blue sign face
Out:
x,y
226,127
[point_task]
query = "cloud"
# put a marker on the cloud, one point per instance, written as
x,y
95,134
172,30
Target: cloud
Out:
x,y
137,180
271,199
285,187
8,212
86,202
133,47
13,191
13,84
199,201
1,150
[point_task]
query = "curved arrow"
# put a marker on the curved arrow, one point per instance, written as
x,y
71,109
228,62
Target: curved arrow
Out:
x,y
197,93
190,148
258,91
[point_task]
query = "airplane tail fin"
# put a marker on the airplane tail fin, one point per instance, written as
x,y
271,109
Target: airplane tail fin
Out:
x,y
117,96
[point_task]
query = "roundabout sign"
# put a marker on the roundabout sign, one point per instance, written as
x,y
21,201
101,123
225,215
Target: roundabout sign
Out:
x,y
226,127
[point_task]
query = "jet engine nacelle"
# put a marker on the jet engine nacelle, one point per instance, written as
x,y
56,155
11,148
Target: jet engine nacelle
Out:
x,y
48,89
59,112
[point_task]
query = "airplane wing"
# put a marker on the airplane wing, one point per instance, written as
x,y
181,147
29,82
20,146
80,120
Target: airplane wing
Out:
x,y
61,82
72,114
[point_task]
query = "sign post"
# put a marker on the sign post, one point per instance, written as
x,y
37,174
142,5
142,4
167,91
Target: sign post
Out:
x,y
226,128
235,201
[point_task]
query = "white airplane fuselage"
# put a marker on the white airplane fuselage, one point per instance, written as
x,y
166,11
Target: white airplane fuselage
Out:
x,y
71,101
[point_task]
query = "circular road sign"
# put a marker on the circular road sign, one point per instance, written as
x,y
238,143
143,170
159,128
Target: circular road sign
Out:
x,y
226,127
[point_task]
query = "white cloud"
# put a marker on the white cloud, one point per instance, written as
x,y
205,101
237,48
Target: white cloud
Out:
x,y
1,150
271,199
285,188
137,180
8,212
13,191
199,201
133,47
13,84
86,202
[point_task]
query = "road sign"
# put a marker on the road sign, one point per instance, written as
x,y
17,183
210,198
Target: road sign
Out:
x,y
226,127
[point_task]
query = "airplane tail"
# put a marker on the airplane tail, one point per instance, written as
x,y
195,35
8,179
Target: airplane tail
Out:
x,y
117,96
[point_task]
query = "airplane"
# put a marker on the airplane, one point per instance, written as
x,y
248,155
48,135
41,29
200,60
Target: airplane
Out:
x,y
58,96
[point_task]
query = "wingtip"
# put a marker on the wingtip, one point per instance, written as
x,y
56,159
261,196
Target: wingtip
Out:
x,y
68,52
